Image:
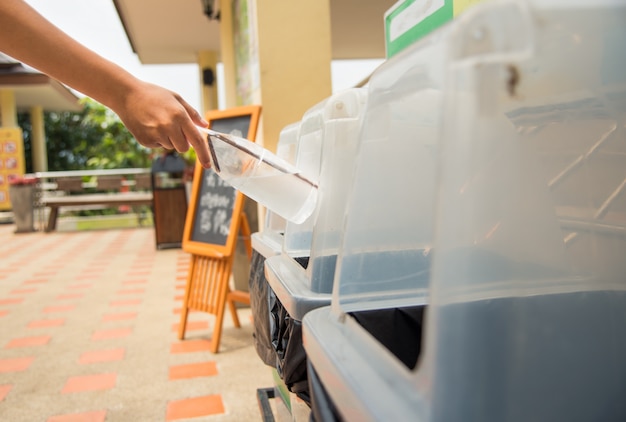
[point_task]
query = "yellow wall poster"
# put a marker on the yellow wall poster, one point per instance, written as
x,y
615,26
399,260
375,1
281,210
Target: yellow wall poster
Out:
x,y
12,164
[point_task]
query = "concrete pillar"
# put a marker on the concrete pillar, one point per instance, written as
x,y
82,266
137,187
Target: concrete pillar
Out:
x,y
227,52
8,109
294,52
207,61
290,51
38,140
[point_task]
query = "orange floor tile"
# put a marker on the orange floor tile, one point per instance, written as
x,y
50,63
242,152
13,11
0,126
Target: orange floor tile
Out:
x,y
195,407
35,281
190,346
15,364
130,291
80,286
193,325
23,291
44,274
138,273
192,370
126,302
28,342
4,390
60,308
92,338
69,296
133,282
120,316
43,323
89,383
112,333
11,301
96,356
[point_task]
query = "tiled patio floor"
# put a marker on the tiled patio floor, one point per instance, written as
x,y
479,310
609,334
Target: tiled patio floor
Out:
x,y
88,333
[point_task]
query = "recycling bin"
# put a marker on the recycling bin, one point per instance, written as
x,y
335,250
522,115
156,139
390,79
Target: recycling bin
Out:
x,y
481,272
299,278
265,244
288,370
263,302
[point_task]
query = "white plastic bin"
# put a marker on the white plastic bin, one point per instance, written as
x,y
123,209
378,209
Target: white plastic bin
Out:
x,y
302,276
286,149
525,306
297,242
265,244
334,127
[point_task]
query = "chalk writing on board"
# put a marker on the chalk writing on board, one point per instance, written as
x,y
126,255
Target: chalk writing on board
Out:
x,y
215,206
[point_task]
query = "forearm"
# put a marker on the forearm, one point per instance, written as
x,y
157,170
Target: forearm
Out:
x,y
28,37
155,115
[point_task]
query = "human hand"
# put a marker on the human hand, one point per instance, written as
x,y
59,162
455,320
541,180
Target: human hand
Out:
x,y
158,117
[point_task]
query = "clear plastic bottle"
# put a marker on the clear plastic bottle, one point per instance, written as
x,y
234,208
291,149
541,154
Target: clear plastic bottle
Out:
x,y
261,175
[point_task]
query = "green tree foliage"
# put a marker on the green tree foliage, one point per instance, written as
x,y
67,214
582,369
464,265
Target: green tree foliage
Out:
x,y
94,138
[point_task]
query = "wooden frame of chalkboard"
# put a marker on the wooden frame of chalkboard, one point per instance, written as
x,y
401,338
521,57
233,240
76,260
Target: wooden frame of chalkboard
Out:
x,y
213,216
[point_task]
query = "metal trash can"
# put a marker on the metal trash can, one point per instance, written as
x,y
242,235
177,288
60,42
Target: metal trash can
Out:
x,y
22,197
169,209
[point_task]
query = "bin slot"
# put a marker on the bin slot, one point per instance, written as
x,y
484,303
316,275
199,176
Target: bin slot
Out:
x,y
398,329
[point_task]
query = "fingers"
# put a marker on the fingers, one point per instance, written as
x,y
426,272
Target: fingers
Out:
x,y
200,145
180,142
193,135
188,135
159,117
194,115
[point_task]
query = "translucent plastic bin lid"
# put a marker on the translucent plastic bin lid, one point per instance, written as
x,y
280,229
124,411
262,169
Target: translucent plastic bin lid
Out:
x,y
526,293
300,290
343,115
535,160
308,160
386,246
261,175
410,122
286,149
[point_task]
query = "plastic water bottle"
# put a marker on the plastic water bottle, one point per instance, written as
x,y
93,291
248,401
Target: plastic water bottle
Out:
x,y
261,175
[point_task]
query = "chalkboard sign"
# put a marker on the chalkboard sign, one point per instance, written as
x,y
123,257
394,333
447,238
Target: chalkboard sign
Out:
x,y
215,210
215,207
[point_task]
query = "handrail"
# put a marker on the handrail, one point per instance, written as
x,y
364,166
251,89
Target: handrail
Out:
x,y
80,173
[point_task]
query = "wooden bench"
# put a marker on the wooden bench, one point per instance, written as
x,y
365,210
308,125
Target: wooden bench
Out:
x,y
66,190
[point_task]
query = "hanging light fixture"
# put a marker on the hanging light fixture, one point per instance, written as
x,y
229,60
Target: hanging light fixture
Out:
x,y
210,9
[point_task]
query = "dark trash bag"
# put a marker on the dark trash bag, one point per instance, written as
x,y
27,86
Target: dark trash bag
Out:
x,y
290,354
259,304
277,337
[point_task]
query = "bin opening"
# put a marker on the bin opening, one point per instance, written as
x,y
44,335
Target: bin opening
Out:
x,y
398,329
303,261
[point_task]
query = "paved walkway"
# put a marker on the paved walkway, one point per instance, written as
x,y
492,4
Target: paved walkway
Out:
x,y
88,333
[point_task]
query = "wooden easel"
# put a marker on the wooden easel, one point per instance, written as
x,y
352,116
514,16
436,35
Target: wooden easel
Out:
x,y
214,219
208,290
